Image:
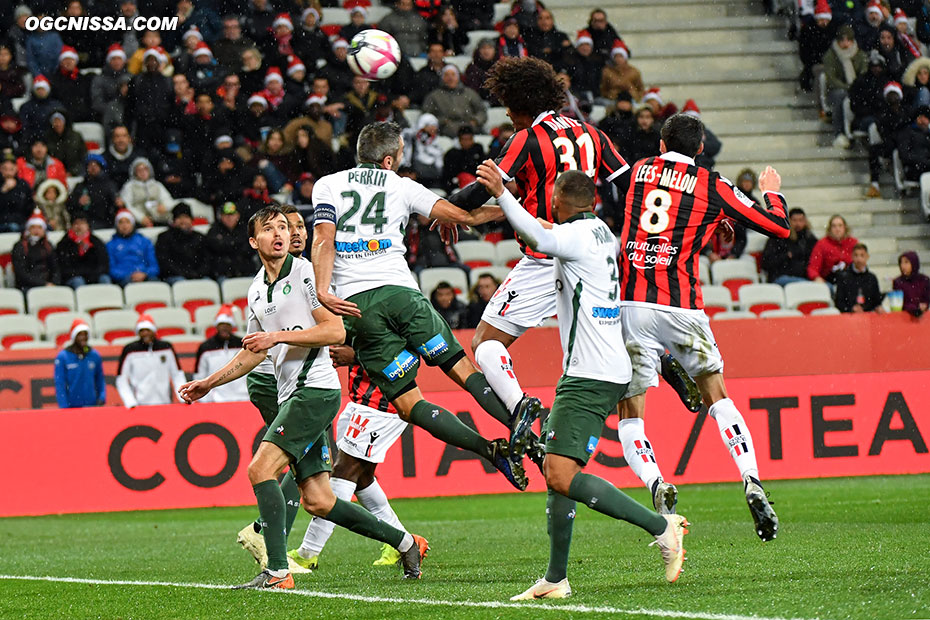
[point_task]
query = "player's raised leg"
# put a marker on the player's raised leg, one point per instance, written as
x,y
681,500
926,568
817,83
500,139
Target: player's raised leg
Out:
x,y
734,432
637,450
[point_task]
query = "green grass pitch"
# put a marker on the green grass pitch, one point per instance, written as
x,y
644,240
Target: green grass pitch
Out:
x,y
847,548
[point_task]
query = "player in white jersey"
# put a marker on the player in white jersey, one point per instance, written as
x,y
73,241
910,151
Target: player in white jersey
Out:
x,y
284,310
594,363
358,246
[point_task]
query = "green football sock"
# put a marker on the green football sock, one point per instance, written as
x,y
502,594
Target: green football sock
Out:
x,y
560,518
441,424
598,494
272,510
477,385
291,500
355,518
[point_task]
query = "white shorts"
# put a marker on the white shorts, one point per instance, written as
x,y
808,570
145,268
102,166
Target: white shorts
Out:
x,y
649,332
524,299
367,433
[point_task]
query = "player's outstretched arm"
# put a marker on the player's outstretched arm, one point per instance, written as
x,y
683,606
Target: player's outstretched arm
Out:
x,y
322,256
771,221
328,330
239,366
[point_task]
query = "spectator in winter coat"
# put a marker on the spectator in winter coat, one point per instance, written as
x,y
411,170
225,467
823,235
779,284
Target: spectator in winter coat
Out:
x,y
475,14
603,34
891,118
832,253
215,352
132,256
109,89
865,93
407,27
40,166
916,82
65,144
644,140
545,42
310,42
15,197
197,15
357,15
446,31
455,105
50,197
82,256
79,378
222,180
150,100
484,56
312,155
584,66
619,121
16,35
511,43
181,250
448,305
227,245
228,48
814,40
72,86
42,49
619,76
857,287
34,260
147,368
34,113
11,75
429,78
422,151
147,198
842,64
786,260
914,146
896,55
914,285
463,159
480,295
120,154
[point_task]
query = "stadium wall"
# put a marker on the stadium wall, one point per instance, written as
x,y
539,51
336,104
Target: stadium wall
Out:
x,y
824,396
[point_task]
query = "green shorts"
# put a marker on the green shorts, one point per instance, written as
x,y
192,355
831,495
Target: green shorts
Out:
x,y
578,413
263,392
398,326
302,428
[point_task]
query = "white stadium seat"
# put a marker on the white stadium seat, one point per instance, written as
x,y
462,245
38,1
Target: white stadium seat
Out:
x,y
143,296
499,273
733,274
113,324
191,294
18,328
171,321
824,312
205,315
476,254
761,297
12,301
92,298
335,15
235,291
781,313
431,277
496,117
25,345
716,299
735,314
507,252
58,326
807,296
44,300
93,136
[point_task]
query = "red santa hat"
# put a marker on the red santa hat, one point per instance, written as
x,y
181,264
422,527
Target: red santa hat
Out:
x,y
899,16
340,43
893,87
315,99
115,50
309,11
41,81
37,219
125,213
145,321
874,6
157,52
691,109
283,19
620,48
359,9
583,37
822,10
273,74
202,49
193,31
78,326
653,93
294,65
67,52
257,98
224,315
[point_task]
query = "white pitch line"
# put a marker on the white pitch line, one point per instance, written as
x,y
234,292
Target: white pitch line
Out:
x,y
583,609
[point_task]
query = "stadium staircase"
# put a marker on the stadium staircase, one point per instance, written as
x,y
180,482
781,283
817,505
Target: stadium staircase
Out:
x,y
742,71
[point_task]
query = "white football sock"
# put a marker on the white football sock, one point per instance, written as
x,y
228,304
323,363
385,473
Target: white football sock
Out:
x,y
495,363
319,530
735,436
376,502
638,451
406,543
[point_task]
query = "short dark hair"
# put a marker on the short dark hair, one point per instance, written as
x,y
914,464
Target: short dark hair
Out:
x,y
861,246
525,85
287,209
263,215
575,188
683,134
376,141
796,211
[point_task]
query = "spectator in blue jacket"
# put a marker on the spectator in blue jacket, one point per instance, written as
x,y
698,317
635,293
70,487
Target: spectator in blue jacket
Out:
x,y
132,256
42,50
79,372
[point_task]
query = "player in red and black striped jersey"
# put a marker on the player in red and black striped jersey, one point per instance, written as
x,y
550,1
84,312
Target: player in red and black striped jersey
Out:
x,y
672,210
367,427
544,145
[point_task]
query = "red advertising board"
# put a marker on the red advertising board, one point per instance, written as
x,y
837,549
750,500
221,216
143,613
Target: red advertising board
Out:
x,y
179,456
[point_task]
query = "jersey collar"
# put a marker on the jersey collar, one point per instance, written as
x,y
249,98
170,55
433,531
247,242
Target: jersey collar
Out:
x,y
373,166
540,118
673,156
285,271
586,215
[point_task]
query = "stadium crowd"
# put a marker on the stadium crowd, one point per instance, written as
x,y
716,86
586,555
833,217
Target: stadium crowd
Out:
x,y
251,101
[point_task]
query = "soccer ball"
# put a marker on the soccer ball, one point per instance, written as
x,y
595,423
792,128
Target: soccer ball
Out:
x,y
374,54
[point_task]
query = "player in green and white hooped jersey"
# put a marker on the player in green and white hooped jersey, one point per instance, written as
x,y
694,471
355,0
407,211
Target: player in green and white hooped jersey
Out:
x,y
358,245
263,393
284,310
586,284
